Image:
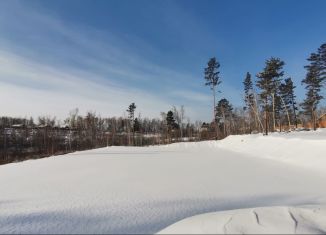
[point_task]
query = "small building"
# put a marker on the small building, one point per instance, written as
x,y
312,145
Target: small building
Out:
x,y
18,126
322,121
204,127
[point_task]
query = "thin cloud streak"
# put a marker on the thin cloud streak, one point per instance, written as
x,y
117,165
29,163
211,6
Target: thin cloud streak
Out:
x,y
36,90
59,67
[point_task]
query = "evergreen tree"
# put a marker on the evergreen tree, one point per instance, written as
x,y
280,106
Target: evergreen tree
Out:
x,y
131,116
289,99
322,61
213,80
269,81
313,84
136,125
223,113
249,97
171,123
131,111
248,88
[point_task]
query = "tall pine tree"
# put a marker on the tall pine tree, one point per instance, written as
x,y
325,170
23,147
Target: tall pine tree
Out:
x,y
131,116
322,62
213,80
224,113
289,99
313,84
171,123
249,98
268,81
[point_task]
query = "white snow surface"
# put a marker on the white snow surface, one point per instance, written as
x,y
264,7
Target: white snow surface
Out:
x,y
146,189
263,220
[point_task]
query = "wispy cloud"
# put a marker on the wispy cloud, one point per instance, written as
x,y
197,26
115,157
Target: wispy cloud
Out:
x,y
29,88
49,67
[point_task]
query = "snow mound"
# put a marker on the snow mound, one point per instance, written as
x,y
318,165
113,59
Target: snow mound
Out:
x,y
263,220
302,148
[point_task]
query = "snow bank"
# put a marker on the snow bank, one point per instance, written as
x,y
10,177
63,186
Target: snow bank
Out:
x,y
302,148
264,220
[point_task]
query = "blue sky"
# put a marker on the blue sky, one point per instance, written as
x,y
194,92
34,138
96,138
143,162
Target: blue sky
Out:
x,y
102,55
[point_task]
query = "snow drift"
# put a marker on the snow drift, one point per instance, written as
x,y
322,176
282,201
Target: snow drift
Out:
x,y
301,148
264,220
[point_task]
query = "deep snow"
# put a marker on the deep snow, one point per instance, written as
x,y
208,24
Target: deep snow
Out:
x,y
145,189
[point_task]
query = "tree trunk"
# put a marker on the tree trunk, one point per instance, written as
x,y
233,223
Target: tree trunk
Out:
x,y
314,119
214,117
287,113
224,128
250,117
266,121
273,97
295,115
133,137
255,109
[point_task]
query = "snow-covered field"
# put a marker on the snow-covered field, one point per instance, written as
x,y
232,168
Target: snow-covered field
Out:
x,y
249,184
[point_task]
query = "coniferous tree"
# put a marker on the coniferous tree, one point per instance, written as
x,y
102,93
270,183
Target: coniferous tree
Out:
x,y
136,125
313,84
131,116
278,107
213,80
322,61
223,113
289,99
249,98
248,88
131,111
171,123
268,81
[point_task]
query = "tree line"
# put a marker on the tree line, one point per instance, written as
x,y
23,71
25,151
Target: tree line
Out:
x,y
22,138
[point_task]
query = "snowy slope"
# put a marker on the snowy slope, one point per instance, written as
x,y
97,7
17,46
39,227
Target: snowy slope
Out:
x,y
305,149
144,190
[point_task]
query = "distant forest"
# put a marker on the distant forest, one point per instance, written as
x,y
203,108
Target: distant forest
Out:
x,y
270,105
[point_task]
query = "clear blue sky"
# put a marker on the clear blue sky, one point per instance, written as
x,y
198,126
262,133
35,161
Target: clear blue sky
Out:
x,y
103,55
